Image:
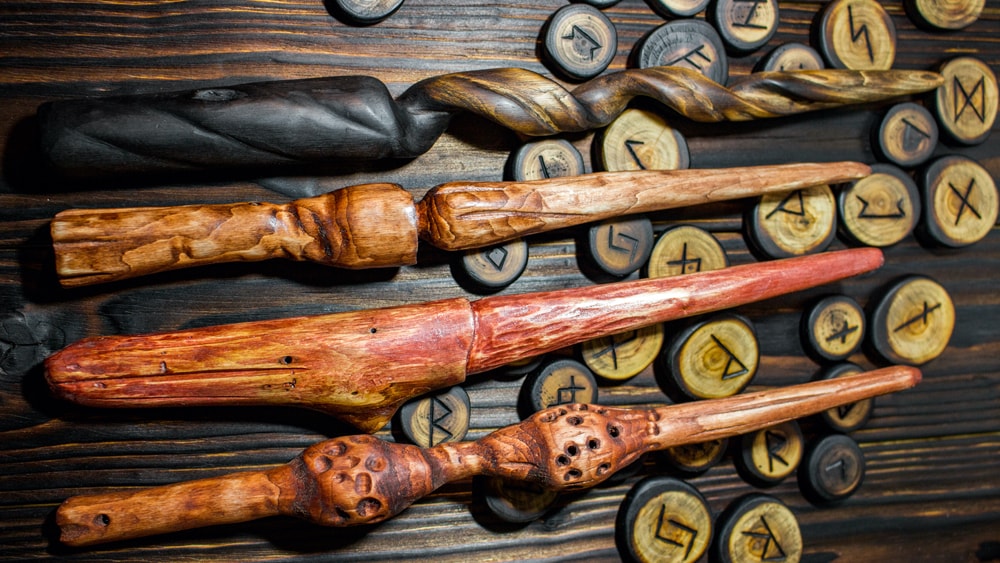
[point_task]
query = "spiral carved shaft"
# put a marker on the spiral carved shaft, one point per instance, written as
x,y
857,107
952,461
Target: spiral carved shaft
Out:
x,y
362,480
355,117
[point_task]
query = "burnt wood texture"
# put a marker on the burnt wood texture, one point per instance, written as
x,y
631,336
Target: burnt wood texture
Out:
x,y
931,490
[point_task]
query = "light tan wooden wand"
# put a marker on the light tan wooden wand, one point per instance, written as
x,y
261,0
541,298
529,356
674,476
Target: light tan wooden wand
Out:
x,y
379,225
361,479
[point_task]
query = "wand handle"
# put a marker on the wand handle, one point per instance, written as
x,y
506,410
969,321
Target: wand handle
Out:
x,y
228,499
366,226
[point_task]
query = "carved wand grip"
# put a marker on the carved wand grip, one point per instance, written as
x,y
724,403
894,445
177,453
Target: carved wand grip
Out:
x,y
378,225
362,480
361,366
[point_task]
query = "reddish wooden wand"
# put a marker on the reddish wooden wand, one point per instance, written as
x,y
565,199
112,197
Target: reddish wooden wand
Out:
x,y
361,479
361,366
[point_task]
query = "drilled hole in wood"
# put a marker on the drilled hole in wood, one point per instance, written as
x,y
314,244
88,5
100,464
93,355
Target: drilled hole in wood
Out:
x,y
574,420
572,450
287,360
603,468
613,431
373,330
562,460
573,474
593,443
102,520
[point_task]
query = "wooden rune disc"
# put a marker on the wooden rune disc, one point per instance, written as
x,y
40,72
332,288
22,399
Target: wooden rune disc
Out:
x,y
687,43
620,246
694,459
744,26
710,359
685,249
580,41
623,356
757,528
514,501
602,3
522,367
960,201
639,139
790,56
794,223
852,416
560,381
913,322
766,457
367,12
677,8
434,419
493,268
907,135
832,469
548,158
663,519
833,328
966,104
944,14
880,209
858,35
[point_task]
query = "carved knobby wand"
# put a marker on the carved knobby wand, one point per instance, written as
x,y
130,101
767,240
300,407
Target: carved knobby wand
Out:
x,y
361,479
355,117
379,225
361,366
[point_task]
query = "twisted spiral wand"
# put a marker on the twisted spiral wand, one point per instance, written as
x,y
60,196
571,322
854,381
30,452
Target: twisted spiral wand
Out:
x,y
355,117
361,479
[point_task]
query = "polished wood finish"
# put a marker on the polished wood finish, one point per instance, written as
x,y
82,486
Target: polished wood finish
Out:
x,y
709,359
757,527
351,118
907,135
932,492
833,328
770,455
857,34
579,41
664,519
961,201
832,469
744,26
881,209
793,223
377,225
967,101
912,322
944,14
361,366
642,140
361,479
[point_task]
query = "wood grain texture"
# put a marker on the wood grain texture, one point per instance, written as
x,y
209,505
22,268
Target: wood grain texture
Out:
x,y
932,492
360,366
361,480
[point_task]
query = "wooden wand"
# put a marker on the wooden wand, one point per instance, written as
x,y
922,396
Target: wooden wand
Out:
x,y
379,225
361,366
362,480
348,118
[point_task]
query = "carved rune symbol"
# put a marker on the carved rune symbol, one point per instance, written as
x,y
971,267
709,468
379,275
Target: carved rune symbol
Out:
x,y
751,13
613,347
839,464
856,34
631,243
630,147
967,98
663,524
544,169
774,442
734,367
919,317
435,419
497,257
913,136
865,214
689,57
842,333
684,261
772,550
567,395
582,42
787,205
965,200
844,410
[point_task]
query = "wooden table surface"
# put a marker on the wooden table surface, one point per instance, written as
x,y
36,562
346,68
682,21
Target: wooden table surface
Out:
x,y
932,491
